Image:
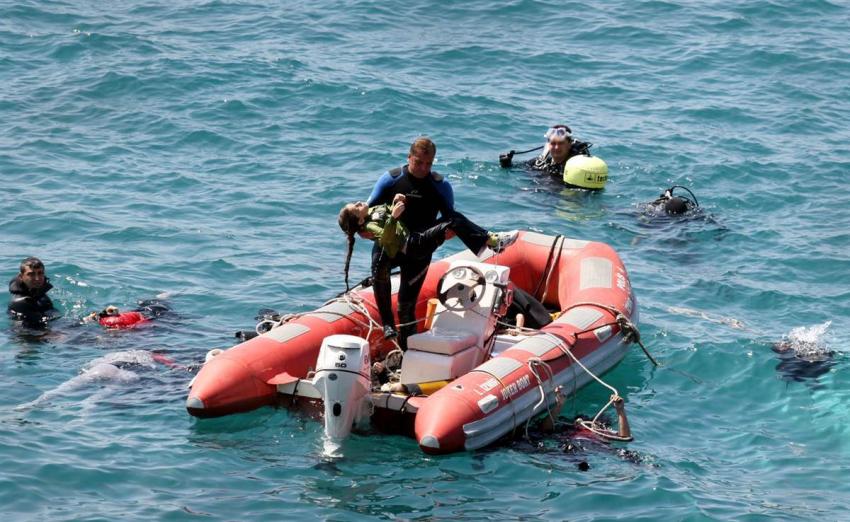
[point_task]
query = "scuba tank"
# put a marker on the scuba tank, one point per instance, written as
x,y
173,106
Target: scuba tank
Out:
x,y
675,205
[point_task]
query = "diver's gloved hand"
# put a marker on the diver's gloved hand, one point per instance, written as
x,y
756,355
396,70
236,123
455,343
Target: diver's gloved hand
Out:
x,y
505,159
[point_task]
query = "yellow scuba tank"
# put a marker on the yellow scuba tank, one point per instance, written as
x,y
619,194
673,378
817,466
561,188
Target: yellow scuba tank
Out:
x,y
587,172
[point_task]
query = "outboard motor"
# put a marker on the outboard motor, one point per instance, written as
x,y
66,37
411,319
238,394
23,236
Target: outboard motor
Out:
x,y
343,380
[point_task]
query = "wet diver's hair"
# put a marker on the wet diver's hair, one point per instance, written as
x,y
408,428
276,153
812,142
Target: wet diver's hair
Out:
x,y
109,311
423,145
32,263
350,224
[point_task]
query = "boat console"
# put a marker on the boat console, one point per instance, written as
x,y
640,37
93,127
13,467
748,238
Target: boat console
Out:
x,y
471,298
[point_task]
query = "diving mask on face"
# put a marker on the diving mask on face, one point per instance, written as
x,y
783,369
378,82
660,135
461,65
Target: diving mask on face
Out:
x,y
559,132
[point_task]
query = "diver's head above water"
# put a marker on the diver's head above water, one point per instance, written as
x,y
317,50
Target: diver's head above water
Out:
x,y
109,311
559,139
32,273
676,205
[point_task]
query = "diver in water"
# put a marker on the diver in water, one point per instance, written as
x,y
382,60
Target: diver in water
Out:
x,y
624,432
803,359
672,205
575,438
267,319
559,147
29,302
584,172
114,319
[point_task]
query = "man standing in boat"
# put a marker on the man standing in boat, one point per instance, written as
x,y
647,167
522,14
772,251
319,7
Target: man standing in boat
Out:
x,y
427,194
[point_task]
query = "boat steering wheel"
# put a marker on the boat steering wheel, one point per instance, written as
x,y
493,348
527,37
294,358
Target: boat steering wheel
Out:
x,y
465,292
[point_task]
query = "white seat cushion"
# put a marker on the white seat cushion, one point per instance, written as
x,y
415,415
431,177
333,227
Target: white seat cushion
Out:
x,y
446,343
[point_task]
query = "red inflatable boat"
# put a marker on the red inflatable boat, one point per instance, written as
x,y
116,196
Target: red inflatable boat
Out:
x,y
465,381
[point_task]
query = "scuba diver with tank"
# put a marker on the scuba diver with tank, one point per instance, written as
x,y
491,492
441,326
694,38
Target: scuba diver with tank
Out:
x,y
670,204
566,159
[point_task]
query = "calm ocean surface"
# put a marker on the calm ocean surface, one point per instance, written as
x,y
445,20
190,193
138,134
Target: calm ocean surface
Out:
x,y
202,149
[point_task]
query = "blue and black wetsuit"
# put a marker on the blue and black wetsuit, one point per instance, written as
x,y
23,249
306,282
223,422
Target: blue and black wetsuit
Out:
x,y
426,198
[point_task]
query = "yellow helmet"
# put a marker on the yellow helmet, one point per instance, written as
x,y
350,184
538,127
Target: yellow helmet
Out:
x,y
587,172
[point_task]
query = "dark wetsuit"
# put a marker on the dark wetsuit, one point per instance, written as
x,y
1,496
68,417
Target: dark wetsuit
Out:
x,y
32,307
545,163
425,199
672,205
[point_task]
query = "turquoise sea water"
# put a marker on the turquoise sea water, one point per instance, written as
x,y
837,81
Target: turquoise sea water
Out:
x,y
202,149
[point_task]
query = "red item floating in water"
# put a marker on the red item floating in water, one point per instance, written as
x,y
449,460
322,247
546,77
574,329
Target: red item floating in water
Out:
x,y
123,320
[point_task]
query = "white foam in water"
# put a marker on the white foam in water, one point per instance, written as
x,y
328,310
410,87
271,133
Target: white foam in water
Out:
x,y
331,449
808,341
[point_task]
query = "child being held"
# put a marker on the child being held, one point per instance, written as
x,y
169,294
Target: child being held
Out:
x,y
381,224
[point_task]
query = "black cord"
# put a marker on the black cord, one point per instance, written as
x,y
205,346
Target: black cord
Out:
x,y
513,152
696,203
505,159
548,263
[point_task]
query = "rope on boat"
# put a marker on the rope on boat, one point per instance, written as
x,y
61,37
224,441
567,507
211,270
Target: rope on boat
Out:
x,y
393,376
630,331
627,327
533,363
269,324
403,407
354,302
593,426
357,304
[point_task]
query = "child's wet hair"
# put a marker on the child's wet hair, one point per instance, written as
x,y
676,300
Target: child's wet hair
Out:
x,y
349,222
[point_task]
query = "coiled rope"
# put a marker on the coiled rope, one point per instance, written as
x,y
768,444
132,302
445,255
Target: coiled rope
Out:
x,y
593,426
